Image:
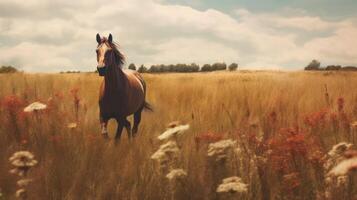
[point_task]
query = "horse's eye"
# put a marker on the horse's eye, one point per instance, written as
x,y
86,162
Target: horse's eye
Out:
x,y
97,51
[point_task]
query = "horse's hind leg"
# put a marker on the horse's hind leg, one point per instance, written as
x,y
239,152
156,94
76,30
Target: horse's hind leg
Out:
x,y
137,119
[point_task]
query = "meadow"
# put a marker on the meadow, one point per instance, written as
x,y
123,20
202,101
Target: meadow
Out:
x,y
282,128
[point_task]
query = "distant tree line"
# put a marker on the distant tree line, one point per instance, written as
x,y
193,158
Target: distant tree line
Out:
x,y
8,69
184,68
315,65
70,72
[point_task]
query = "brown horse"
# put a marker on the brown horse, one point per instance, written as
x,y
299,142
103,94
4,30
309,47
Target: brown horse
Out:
x,y
122,93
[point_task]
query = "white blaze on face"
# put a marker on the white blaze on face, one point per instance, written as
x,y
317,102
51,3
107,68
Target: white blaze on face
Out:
x,y
101,50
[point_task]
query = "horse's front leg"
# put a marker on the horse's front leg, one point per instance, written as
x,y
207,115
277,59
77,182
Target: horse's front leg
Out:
x,y
127,127
119,130
121,124
103,125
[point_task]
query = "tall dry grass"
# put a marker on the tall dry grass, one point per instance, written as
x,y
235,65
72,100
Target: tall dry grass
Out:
x,y
284,124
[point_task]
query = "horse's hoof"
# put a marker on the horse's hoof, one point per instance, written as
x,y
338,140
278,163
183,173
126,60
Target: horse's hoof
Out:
x,y
105,135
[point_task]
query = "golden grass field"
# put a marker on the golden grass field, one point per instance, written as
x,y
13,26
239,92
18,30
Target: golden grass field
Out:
x,y
284,124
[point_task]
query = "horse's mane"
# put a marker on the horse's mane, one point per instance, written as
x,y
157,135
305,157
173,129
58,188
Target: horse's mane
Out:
x,y
114,79
118,59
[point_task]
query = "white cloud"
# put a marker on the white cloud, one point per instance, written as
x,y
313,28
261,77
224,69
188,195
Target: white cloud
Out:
x,y
50,36
303,22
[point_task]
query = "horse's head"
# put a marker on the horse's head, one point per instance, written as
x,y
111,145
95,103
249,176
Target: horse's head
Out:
x,y
103,49
107,54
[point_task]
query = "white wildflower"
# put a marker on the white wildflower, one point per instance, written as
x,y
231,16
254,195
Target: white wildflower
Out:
x,y
219,149
35,107
23,159
337,166
339,149
342,180
158,155
21,193
173,124
24,182
232,184
344,167
176,174
72,125
335,155
168,149
175,131
354,124
238,151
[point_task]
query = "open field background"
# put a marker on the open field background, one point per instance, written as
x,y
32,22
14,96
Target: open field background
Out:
x,y
284,124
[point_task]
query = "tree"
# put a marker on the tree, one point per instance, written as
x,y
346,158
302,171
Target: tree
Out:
x,y
194,67
132,66
219,66
314,65
333,67
349,68
206,68
154,69
142,69
233,67
7,69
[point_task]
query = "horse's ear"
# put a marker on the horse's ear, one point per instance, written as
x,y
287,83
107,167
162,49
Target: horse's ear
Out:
x,y
110,38
98,38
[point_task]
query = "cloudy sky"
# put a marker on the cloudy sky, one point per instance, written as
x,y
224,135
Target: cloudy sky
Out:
x,y
56,35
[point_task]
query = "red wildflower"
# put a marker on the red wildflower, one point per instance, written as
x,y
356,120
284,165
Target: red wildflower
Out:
x,y
91,138
333,117
316,119
12,106
59,95
340,104
24,141
55,138
286,147
12,103
273,117
74,92
291,181
76,101
208,137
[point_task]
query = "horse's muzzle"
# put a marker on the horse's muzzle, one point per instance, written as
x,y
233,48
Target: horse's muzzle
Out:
x,y
101,70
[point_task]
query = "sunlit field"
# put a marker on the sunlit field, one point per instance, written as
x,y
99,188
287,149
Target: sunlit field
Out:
x,y
282,128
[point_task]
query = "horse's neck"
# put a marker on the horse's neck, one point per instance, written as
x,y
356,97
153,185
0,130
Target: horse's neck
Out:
x,y
114,81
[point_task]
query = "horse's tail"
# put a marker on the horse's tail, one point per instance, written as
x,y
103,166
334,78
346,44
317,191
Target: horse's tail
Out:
x,y
147,106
